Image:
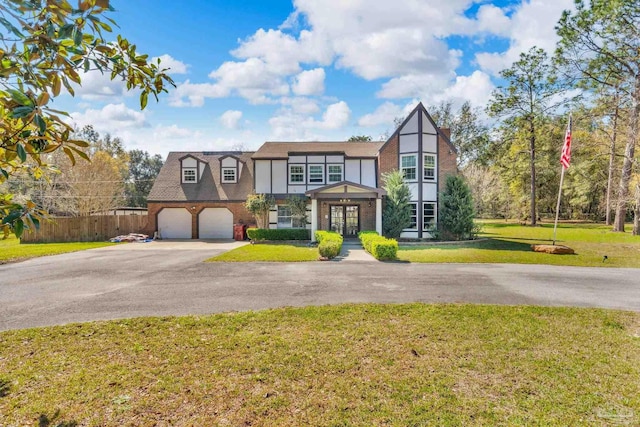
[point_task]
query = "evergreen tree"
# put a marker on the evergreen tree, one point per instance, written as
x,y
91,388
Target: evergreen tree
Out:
x,y
456,210
397,212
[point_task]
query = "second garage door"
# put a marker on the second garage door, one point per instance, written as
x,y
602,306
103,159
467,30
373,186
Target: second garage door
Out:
x,y
215,223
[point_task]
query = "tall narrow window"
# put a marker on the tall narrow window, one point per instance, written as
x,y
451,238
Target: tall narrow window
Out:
x,y
335,173
414,217
296,174
316,174
429,167
429,216
408,165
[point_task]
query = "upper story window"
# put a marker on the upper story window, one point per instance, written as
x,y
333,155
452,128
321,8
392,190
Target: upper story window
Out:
x,y
408,166
229,175
335,173
189,175
296,174
429,173
316,174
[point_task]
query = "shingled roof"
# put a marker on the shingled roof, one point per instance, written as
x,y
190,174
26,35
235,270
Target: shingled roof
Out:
x,y
282,150
168,185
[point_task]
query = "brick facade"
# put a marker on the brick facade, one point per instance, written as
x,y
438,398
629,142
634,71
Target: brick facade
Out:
x,y
240,213
388,157
447,161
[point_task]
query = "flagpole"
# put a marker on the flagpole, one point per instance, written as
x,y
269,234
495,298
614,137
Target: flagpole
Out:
x,y
555,224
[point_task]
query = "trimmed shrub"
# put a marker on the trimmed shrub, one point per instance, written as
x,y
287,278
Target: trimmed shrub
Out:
x,y
278,234
329,243
380,247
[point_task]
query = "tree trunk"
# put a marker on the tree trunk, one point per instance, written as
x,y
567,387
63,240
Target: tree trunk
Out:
x,y
625,176
636,213
612,157
532,137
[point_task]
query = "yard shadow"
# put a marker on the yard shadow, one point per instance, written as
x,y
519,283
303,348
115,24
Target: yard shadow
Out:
x,y
54,421
5,386
487,244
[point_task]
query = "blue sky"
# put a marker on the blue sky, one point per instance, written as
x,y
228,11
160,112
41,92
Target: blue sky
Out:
x,y
255,71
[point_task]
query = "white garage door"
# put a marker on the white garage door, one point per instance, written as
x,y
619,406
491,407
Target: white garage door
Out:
x,y
215,223
174,223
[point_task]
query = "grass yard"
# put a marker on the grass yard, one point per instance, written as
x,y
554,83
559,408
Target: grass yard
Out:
x,y
269,252
348,365
511,243
11,250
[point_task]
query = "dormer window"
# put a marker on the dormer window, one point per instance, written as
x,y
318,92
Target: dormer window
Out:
x,y
229,175
189,175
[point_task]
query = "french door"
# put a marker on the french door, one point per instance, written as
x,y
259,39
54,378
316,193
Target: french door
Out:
x,y
345,220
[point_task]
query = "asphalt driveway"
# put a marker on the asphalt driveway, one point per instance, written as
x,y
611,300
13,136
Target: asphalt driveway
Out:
x,y
169,278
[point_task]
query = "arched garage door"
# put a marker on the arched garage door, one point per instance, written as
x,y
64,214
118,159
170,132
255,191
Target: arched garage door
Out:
x,y
215,223
174,223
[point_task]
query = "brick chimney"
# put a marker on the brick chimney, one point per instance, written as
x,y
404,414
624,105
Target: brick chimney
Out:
x,y
446,131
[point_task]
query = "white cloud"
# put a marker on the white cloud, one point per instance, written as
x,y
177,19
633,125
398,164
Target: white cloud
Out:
x,y
532,24
195,94
492,19
174,132
99,86
309,82
292,126
110,118
175,66
301,105
231,119
475,88
383,115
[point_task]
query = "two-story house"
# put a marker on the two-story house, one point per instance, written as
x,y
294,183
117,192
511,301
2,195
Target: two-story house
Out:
x,y
202,194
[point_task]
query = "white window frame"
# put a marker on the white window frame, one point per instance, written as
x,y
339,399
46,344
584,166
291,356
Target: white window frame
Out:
x,y
315,180
434,216
235,175
303,173
186,177
425,168
329,173
285,219
414,217
404,168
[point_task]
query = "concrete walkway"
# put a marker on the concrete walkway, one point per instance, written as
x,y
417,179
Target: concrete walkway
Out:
x,y
353,251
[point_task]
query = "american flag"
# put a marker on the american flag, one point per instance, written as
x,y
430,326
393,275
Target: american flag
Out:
x,y
565,157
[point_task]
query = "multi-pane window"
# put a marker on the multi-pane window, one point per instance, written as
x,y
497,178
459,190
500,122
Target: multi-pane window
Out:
x,y
408,165
335,173
414,217
189,175
296,174
228,174
429,216
286,220
316,174
429,167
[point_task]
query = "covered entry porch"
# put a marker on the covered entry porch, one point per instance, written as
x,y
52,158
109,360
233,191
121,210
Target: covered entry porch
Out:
x,y
346,208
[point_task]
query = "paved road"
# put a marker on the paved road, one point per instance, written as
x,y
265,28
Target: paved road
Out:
x,y
169,278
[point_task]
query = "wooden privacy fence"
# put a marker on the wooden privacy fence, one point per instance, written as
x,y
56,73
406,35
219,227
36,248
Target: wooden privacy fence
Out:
x,y
85,229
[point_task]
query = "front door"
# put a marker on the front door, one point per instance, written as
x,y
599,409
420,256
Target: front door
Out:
x,y
345,220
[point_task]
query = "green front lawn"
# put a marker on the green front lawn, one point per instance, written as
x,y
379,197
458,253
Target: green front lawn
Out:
x,y
348,365
269,252
11,250
511,243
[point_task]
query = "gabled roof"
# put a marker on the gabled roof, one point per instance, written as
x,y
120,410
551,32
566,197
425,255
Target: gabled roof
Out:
x,y
282,150
417,108
345,185
168,186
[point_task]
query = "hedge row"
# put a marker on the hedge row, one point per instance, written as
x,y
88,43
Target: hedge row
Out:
x,y
380,247
329,243
278,234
